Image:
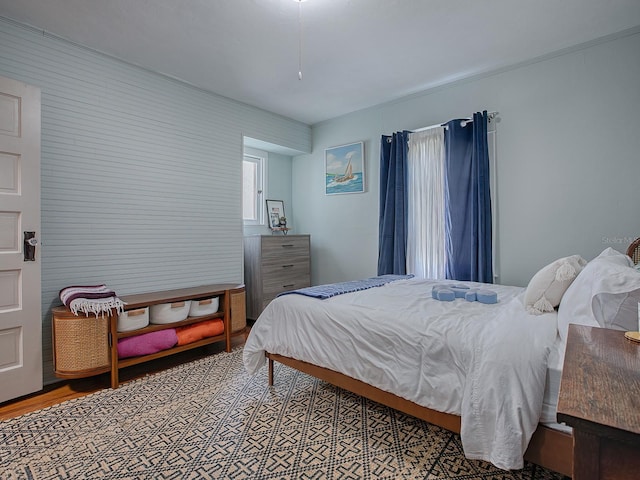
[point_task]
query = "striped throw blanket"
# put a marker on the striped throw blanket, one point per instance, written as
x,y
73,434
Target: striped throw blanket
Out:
x,y
96,299
333,289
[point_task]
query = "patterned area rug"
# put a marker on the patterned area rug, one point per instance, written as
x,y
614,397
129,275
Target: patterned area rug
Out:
x,y
209,419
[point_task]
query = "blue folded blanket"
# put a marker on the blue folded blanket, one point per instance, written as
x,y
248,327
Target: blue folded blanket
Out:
x,y
333,289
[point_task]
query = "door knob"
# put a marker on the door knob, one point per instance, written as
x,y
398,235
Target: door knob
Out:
x,y
30,242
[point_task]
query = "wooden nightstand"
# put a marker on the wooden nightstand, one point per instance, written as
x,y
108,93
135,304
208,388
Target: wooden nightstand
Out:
x,y
600,399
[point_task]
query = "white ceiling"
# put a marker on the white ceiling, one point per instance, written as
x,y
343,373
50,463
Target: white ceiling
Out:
x,y
355,53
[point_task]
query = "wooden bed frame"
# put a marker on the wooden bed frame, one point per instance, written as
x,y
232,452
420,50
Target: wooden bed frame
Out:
x,y
549,448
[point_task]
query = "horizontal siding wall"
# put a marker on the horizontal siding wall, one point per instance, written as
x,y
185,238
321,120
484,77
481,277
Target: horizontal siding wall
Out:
x,y
141,174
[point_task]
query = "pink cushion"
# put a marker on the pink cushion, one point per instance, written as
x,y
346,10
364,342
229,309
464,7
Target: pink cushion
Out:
x,y
147,343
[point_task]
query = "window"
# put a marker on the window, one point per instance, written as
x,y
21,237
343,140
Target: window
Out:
x,y
429,247
253,168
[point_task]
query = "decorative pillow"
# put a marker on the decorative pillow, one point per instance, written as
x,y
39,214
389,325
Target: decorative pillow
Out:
x,y
546,288
198,331
147,343
605,294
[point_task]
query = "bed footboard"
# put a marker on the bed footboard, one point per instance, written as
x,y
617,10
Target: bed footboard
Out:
x,y
548,448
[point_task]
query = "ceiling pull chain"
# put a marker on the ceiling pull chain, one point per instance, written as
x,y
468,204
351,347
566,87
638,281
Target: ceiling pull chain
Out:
x,y
300,38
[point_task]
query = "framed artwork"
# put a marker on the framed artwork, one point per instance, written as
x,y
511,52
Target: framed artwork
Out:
x,y
275,214
344,169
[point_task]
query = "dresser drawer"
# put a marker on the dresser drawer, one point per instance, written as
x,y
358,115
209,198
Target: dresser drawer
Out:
x,y
282,274
285,266
293,246
274,286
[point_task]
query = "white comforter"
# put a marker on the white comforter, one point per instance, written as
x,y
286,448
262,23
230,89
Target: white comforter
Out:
x,y
486,363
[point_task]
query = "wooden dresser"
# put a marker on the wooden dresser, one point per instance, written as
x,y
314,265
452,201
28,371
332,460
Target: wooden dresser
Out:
x,y
600,399
274,264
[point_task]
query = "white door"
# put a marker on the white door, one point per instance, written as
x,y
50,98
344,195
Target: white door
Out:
x,y
20,290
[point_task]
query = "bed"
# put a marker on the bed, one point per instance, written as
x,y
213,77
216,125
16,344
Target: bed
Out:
x,y
488,371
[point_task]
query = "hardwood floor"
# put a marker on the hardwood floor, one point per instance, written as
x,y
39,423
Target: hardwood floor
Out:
x,y
69,389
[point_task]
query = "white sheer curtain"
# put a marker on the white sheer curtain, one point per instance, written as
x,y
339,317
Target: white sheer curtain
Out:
x,y
426,200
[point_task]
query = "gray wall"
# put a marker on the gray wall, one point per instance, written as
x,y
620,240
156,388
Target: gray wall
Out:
x,y
141,174
568,167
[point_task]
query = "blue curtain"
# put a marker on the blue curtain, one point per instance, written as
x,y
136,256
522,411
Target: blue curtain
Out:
x,y
468,206
392,224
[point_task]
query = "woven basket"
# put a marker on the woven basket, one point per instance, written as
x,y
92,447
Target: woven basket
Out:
x,y
238,312
80,344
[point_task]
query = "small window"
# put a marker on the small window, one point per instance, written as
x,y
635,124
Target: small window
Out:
x,y
252,189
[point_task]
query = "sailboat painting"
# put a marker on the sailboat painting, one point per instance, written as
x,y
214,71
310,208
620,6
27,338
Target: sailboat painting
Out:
x,y
344,169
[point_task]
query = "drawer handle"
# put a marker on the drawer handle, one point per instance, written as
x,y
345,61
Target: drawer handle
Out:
x,y
135,313
287,266
285,245
177,305
290,285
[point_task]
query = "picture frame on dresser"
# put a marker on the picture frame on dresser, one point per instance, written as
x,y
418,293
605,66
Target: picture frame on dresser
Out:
x,y
275,211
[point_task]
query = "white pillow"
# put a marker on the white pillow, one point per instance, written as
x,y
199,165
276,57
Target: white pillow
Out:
x,y
612,255
605,294
546,288
618,311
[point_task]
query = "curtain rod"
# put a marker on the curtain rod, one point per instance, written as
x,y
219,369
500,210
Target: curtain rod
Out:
x,y
490,115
